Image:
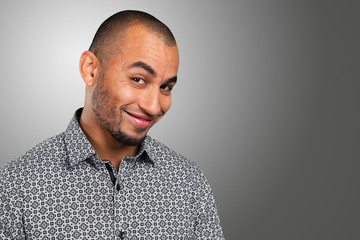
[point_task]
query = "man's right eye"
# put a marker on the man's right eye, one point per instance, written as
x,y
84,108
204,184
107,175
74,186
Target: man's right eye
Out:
x,y
138,80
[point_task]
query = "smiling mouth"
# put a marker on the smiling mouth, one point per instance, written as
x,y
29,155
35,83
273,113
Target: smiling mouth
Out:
x,y
140,121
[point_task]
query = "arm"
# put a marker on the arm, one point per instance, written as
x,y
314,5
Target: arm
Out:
x,y
11,224
207,224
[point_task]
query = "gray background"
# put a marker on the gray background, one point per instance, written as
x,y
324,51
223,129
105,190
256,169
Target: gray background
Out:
x,y
267,101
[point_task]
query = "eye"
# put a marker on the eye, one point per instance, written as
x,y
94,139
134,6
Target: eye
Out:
x,y
138,80
166,87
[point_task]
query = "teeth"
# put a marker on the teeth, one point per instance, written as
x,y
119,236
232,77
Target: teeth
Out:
x,y
140,118
143,119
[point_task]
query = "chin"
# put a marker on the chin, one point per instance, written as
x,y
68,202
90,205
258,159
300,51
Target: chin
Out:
x,y
127,139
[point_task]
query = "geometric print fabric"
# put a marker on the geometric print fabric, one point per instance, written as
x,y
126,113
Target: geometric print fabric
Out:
x,y
60,189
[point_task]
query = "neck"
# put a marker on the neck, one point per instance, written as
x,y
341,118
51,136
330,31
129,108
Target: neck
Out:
x,y
101,140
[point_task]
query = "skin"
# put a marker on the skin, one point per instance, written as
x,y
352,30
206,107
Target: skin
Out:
x,y
130,95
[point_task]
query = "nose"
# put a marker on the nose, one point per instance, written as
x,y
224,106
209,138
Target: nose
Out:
x,y
150,102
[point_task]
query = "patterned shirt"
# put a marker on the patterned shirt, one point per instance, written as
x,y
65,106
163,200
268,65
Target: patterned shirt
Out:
x,y
61,189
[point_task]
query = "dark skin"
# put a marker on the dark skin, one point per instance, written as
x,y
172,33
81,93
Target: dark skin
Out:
x,y
134,94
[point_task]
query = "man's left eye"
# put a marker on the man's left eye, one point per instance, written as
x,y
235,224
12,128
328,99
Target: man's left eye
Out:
x,y
166,87
139,80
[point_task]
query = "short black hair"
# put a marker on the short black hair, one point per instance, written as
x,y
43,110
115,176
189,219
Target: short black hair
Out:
x,y
111,29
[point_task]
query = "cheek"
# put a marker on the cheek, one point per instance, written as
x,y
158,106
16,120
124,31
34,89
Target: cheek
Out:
x,y
165,102
125,95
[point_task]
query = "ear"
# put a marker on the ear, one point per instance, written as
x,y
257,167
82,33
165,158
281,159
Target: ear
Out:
x,y
89,68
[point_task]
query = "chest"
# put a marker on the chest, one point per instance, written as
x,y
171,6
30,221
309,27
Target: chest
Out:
x,y
85,203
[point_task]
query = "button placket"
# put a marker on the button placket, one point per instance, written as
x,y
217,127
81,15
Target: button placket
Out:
x,y
119,199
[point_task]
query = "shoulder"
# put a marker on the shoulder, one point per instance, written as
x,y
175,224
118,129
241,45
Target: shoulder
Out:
x,y
42,155
181,170
169,160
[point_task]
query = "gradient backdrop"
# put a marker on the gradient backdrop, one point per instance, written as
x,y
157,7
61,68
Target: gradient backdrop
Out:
x,y
267,101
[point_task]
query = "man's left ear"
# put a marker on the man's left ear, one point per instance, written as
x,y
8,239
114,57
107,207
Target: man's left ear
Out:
x,y
89,68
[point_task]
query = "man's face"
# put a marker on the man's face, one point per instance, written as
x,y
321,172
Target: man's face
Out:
x,y
134,91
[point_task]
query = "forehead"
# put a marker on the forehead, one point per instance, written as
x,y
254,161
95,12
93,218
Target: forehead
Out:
x,y
138,43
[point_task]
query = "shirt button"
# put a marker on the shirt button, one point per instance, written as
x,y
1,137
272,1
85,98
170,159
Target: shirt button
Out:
x,y
118,187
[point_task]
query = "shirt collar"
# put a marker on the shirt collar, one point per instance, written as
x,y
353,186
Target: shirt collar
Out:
x,y
146,152
80,149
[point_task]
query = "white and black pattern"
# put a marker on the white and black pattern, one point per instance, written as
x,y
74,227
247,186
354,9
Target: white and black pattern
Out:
x,y
60,189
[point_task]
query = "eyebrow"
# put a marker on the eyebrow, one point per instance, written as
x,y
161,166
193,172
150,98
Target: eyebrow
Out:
x,y
171,80
150,70
144,66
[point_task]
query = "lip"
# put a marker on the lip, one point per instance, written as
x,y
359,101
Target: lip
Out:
x,y
142,121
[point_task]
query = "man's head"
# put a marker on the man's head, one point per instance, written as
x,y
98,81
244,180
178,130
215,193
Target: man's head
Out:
x,y
111,32
129,72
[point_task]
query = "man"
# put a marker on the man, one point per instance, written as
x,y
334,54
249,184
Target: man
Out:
x,y
104,177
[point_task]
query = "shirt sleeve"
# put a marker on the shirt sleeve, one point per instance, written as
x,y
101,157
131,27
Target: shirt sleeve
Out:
x,y
11,224
207,225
